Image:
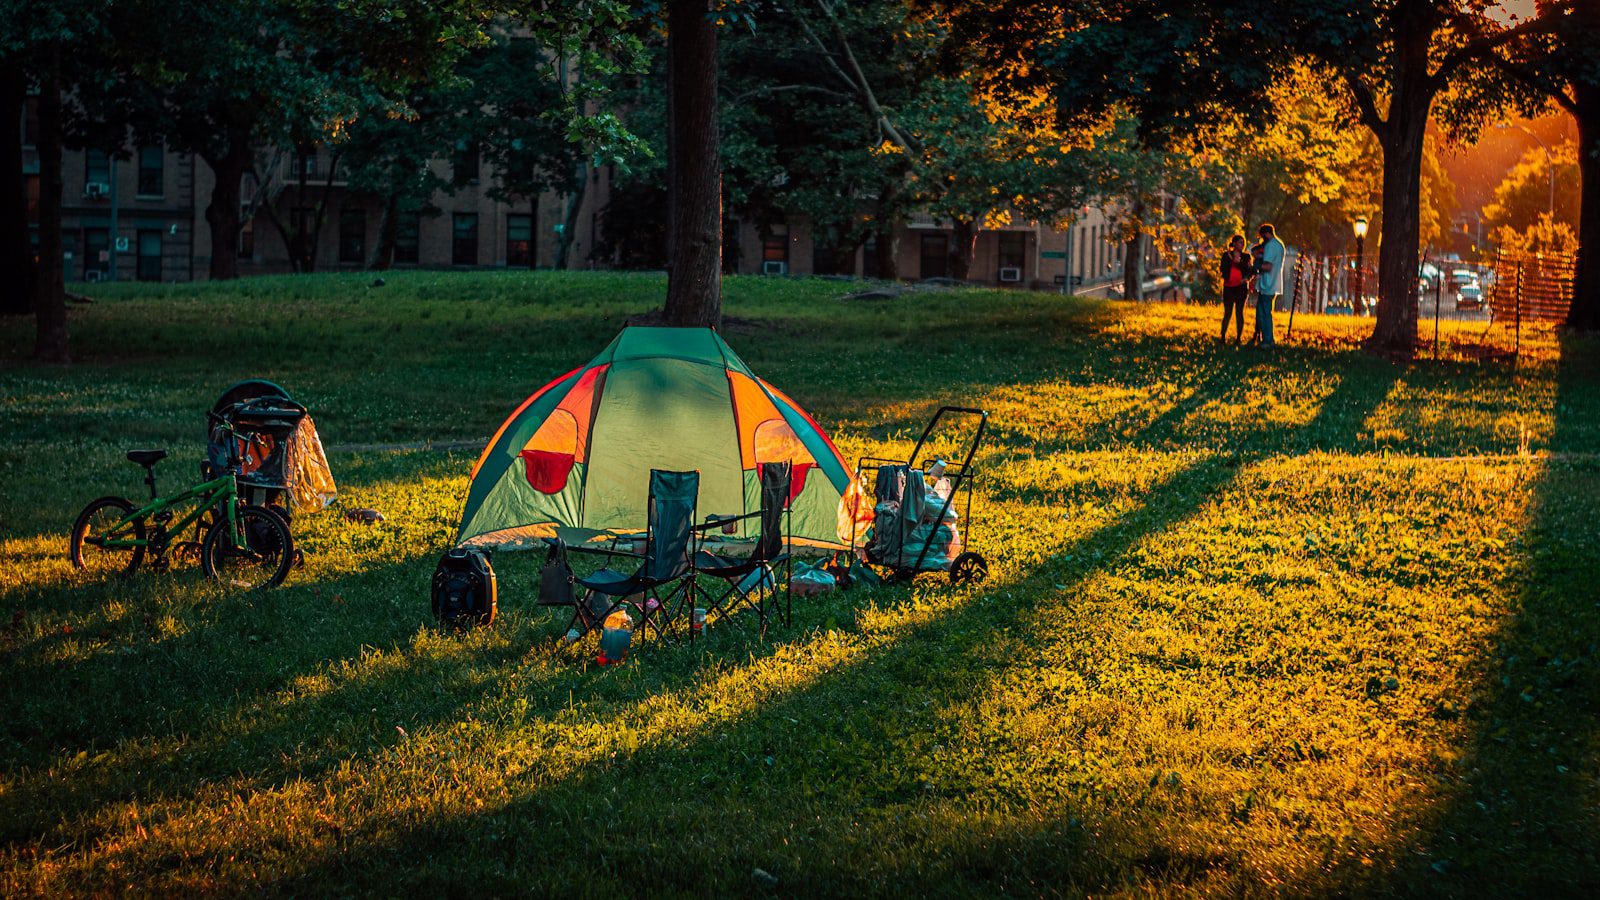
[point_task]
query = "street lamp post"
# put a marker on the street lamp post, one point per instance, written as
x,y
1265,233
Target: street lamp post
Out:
x,y
1361,244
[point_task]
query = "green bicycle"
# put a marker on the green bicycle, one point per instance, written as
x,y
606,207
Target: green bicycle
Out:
x,y
244,546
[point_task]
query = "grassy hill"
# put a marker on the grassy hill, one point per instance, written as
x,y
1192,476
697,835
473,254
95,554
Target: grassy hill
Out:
x,y
1301,622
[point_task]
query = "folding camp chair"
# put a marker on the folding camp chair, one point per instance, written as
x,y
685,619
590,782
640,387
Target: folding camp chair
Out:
x,y
665,562
770,551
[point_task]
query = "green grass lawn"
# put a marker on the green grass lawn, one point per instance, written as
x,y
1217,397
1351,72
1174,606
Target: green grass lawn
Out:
x,y
1303,622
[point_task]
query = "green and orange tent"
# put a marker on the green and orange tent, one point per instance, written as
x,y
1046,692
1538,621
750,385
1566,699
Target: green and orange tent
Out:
x,y
574,460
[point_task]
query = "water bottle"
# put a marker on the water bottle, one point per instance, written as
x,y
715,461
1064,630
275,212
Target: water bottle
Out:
x,y
616,637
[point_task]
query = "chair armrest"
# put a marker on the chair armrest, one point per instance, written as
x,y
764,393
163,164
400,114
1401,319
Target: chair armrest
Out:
x,y
603,551
719,521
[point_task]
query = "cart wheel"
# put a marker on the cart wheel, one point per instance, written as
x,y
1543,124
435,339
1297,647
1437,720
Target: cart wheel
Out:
x,y
969,568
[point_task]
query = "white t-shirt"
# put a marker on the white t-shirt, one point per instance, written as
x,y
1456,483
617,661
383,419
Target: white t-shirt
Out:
x,y
1271,282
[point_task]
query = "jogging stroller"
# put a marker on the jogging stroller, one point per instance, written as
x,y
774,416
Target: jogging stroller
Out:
x,y
283,466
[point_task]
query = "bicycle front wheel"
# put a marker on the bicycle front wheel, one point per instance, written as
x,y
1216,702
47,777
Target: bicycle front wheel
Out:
x,y
254,557
98,522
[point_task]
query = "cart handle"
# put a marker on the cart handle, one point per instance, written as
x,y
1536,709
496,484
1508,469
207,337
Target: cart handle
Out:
x,y
977,437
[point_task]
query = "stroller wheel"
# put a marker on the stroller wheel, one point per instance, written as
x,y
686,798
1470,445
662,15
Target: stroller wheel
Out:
x,y
969,568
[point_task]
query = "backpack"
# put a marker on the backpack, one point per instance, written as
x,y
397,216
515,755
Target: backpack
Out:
x,y
464,591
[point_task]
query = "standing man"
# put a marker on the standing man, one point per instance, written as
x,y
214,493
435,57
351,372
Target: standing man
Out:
x,y
1269,282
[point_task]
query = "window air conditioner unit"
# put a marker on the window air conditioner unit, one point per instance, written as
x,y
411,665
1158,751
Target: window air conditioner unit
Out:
x,y
1010,273
97,189
774,267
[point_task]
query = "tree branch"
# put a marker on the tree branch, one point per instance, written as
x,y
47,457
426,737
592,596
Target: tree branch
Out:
x,y
1483,44
782,88
827,55
867,95
1531,78
1366,104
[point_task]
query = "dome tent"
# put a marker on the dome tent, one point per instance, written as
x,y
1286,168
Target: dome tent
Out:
x,y
574,460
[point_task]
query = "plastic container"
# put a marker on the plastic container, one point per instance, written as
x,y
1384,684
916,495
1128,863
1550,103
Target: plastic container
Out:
x,y
614,640
758,579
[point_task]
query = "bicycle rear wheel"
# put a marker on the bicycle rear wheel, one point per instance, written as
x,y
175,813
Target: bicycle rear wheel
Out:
x,y
97,522
262,561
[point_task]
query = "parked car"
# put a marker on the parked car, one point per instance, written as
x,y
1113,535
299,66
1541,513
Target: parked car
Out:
x,y
1469,296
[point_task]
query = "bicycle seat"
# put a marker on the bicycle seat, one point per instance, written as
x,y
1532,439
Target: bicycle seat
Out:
x,y
146,457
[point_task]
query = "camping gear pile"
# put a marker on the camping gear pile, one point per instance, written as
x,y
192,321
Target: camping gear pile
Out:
x,y
913,521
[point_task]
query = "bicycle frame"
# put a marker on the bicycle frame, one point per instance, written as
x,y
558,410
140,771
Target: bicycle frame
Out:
x,y
222,490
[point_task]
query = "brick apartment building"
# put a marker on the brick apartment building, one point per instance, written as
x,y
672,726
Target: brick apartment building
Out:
x,y
143,217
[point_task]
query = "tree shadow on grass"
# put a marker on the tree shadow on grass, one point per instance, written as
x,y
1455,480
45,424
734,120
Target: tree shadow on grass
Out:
x,y
1521,813
930,658
834,786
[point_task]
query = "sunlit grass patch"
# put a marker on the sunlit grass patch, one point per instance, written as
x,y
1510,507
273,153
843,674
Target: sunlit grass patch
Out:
x,y
1298,622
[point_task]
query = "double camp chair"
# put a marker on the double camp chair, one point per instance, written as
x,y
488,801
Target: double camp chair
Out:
x,y
665,586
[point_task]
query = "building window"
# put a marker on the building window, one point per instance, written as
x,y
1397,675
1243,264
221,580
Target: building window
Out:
x,y
96,251
96,171
149,268
826,260
305,161
464,244
466,162
407,237
352,235
69,251
1013,249
935,251
775,250
519,240
152,172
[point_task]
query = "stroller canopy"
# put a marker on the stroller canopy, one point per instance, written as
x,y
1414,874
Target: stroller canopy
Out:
x,y
574,460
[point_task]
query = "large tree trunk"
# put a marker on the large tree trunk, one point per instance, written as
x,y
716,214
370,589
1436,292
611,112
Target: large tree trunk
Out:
x,y
1411,95
963,247
887,244
1396,329
16,258
222,213
886,236
1133,268
50,344
694,168
1585,312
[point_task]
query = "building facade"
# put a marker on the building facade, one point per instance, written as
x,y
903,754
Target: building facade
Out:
x,y
140,215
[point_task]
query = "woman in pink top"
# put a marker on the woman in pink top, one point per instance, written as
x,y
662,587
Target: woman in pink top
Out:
x,y
1237,267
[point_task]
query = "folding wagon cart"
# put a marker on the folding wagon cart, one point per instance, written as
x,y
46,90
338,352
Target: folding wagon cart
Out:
x,y
914,522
